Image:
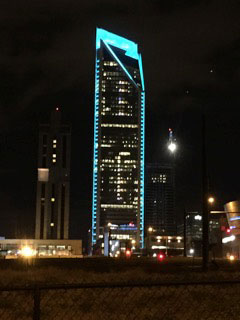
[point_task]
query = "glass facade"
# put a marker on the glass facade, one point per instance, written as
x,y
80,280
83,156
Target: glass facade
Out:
x,y
118,168
160,199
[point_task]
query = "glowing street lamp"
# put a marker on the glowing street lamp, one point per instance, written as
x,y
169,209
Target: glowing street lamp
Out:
x,y
211,200
172,146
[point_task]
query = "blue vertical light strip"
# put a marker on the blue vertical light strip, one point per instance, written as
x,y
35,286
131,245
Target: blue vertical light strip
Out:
x,y
141,71
142,153
142,165
95,154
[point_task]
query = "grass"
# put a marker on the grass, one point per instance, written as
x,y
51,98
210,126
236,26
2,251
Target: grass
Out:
x,y
97,270
148,303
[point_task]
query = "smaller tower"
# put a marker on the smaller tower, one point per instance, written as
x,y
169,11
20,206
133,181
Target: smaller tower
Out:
x,y
52,203
160,198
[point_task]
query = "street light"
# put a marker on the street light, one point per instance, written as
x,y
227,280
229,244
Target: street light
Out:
x,y
211,200
150,230
172,146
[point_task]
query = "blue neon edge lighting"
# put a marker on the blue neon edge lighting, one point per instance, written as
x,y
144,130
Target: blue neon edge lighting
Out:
x,y
130,47
95,152
119,62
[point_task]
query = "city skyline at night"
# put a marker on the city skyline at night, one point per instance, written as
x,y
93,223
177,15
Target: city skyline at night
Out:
x,y
188,66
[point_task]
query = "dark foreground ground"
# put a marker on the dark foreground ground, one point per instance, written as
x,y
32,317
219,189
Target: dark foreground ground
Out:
x,y
117,289
89,270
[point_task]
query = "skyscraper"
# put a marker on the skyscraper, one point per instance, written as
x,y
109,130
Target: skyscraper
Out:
x,y
160,199
119,119
52,203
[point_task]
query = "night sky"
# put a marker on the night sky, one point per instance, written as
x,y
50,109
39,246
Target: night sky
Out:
x,y
191,61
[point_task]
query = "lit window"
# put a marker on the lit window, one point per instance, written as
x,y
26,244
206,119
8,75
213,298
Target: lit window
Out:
x,y
54,155
52,224
54,146
53,199
53,160
55,141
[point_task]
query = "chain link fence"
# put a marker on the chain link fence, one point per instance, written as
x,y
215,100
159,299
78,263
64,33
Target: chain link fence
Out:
x,y
168,301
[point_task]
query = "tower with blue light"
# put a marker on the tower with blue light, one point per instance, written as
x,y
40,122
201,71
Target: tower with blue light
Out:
x,y
119,131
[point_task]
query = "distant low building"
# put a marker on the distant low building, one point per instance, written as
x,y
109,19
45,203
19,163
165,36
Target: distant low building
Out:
x,y
232,210
232,240
218,226
169,245
41,248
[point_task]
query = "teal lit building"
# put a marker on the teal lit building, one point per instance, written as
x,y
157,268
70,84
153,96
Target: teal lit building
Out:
x,y
119,121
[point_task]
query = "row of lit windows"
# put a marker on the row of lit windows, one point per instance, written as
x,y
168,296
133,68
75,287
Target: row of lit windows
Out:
x,y
110,63
161,179
117,114
118,190
123,82
104,165
118,125
115,89
118,160
108,141
118,170
127,206
117,107
127,178
106,145
124,153
160,176
111,73
130,145
117,182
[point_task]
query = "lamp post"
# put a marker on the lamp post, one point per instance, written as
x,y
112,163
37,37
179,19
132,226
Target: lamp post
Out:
x,y
172,146
109,238
205,218
149,231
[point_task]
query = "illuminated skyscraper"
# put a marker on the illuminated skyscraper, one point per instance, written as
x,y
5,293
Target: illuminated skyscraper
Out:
x,y
119,119
52,203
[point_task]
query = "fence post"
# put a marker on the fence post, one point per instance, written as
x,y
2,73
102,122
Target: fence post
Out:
x,y
36,304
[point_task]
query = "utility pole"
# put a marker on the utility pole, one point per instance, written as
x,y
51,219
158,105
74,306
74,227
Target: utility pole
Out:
x,y
184,234
205,218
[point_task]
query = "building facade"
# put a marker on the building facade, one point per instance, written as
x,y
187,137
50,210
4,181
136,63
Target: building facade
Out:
x,y
160,199
232,210
41,248
119,119
52,203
